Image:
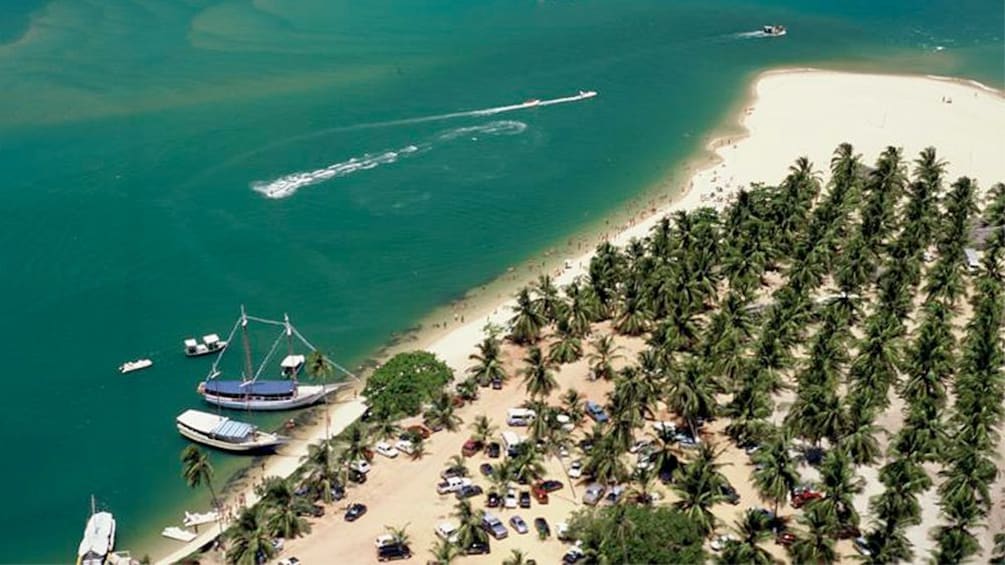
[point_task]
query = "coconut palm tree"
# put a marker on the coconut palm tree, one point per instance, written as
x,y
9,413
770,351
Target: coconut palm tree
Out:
x,y
458,465
197,470
537,375
547,300
250,540
840,485
605,352
488,365
444,552
752,530
775,475
320,469
384,429
442,413
582,309
527,321
568,348
354,443
573,406
482,428
398,535
283,508
816,545
699,486
469,530
517,557
692,395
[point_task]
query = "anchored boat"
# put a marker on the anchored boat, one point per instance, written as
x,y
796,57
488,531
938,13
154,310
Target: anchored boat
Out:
x,y
210,344
130,366
223,433
253,393
99,538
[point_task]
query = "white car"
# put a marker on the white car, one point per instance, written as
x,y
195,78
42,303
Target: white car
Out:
x,y
511,499
447,532
452,484
405,446
383,539
720,543
360,466
576,469
386,449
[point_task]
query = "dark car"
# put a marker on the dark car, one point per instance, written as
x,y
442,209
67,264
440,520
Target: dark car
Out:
x,y
478,548
586,445
541,525
493,500
731,495
493,450
574,555
524,499
471,447
468,491
338,492
315,510
550,485
393,552
354,512
486,469
496,384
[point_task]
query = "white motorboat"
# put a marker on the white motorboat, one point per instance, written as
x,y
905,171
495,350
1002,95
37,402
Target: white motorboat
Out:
x,y
253,393
773,30
99,538
223,433
198,519
531,103
587,93
180,534
130,366
210,344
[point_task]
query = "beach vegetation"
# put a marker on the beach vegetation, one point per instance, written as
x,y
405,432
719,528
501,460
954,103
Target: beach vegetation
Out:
x,y
635,534
250,542
407,382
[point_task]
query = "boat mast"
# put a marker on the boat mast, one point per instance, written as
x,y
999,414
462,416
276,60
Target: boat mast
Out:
x,y
248,370
289,341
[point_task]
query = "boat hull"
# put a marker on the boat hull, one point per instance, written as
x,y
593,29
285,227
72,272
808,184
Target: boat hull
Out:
x,y
304,396
268,444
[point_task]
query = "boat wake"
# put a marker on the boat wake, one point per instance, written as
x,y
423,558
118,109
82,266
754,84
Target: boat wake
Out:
x,y
751,34
287,185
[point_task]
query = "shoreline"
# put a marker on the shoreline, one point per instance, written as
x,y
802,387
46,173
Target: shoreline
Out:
x,y
692,183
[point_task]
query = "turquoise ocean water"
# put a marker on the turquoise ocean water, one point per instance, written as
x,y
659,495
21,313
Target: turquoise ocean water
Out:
x,y
133,134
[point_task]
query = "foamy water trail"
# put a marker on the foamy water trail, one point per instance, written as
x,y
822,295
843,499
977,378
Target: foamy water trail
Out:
x,y
287,185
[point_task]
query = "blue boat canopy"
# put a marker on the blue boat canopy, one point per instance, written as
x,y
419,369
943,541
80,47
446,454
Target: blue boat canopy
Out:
x,y
233,431
257,388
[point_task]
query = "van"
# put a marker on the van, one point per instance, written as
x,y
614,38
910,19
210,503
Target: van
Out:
x,y
519,417
511,441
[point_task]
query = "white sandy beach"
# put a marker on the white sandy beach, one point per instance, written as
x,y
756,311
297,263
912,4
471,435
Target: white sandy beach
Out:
x,y
790,113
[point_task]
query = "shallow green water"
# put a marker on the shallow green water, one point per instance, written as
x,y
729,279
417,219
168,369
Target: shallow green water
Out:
x,y
133,133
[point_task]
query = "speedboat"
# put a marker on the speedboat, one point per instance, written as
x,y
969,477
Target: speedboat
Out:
x,y
223,433
210,344
587,93
99,538
180,534
130,366
773,30
531,103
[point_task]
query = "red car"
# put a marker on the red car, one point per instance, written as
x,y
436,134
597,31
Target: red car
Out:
x,y
785,538
800,498
471,447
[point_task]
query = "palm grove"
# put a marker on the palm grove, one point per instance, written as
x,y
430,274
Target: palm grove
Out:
x,y
851,300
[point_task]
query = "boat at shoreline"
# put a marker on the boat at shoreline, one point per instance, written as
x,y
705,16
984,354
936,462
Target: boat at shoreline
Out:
x,y
226,434
211,343
253,393
99,538
774,30
130,366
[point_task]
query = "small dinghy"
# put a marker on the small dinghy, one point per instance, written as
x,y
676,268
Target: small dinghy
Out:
x,y
130,366
210,344
176,533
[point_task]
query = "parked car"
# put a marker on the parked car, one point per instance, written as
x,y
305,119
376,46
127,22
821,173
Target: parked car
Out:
x,y
386,449
614,494
447,532
576,469
785,538
524,499
596,412
593,494
586,445
493,450
497,384
486,469
393,552
494,526
562,531
720,543
493,500
405,446
354,512
452,472
360,466
540,495
519,526
421,430
288,561
862,546
453,484
550,485
315,510
511,499
468,492
478,548
802,495
471,447
731,495
541,525
337,492
382,540
357,477
574,555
